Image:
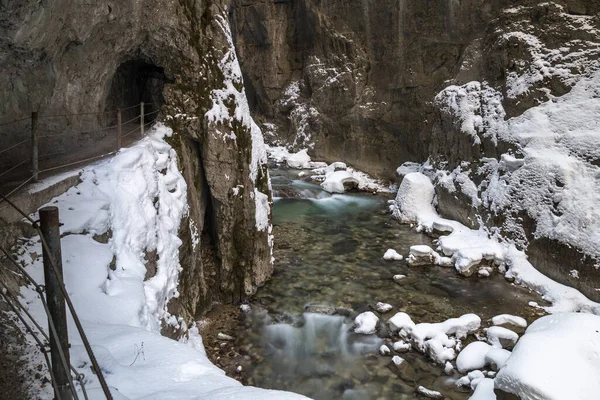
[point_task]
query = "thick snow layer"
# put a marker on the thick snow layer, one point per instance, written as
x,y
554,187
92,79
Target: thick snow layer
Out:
x,y
400,321
366,323
140,197
472,357
554,179
335,181
507,319
558,358
414,198
496,335
392,254
433,338
484,390
467,248
425,255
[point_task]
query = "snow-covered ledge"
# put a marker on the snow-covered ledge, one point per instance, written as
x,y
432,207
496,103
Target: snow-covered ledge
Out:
x,y
138,198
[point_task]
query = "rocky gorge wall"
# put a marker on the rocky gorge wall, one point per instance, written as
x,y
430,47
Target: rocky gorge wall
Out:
x,y
374,84
64,57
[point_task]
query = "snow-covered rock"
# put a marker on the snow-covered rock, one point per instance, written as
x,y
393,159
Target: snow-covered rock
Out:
x,y
400,321
392,254
472,357
497,357
484,390
507,319
397,360
425,255
382,307
558,358
339,182
414,197
401,346
366,323
384,350
431,394
499,336
398,277
299,160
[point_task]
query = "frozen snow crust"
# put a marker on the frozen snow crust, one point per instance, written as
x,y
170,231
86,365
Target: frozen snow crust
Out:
x,y
138,198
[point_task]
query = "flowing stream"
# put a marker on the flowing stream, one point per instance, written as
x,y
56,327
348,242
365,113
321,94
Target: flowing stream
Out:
x,y
328,268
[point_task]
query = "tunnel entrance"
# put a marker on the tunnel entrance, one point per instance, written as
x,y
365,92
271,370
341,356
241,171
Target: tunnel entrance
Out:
x,y
136,81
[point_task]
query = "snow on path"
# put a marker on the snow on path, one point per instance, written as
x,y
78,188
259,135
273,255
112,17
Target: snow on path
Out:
x,y
138,196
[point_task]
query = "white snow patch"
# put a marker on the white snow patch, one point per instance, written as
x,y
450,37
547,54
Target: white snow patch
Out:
x,y
392,254
558,358
366,323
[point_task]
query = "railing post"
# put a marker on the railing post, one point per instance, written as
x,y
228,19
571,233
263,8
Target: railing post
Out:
x,y
142,119
34,146
119,130
49,225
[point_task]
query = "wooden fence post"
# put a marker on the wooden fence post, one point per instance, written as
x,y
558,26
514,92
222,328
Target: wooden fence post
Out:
x,y
34,146
142,119
119,130
49,226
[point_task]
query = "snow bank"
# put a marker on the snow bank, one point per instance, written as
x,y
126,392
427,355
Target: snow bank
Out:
x,y
558,358
468,248
139,197
554,178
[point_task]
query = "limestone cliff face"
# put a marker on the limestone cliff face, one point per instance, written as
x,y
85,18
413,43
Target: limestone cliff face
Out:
x,y
354,78
364,82
63,56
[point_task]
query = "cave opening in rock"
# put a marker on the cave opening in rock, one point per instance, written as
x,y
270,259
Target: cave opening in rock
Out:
x,y
136,81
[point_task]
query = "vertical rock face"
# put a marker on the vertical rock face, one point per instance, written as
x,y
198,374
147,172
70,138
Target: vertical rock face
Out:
x,y
63,57
379,83
356,78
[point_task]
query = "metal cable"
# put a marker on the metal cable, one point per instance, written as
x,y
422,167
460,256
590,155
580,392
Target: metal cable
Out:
x,y
131,120
77,162
137,128
150,113
18,187
15,121
75,115
80,132
38,289
18,165
84,339
52,327
129,108
14,145
39,342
